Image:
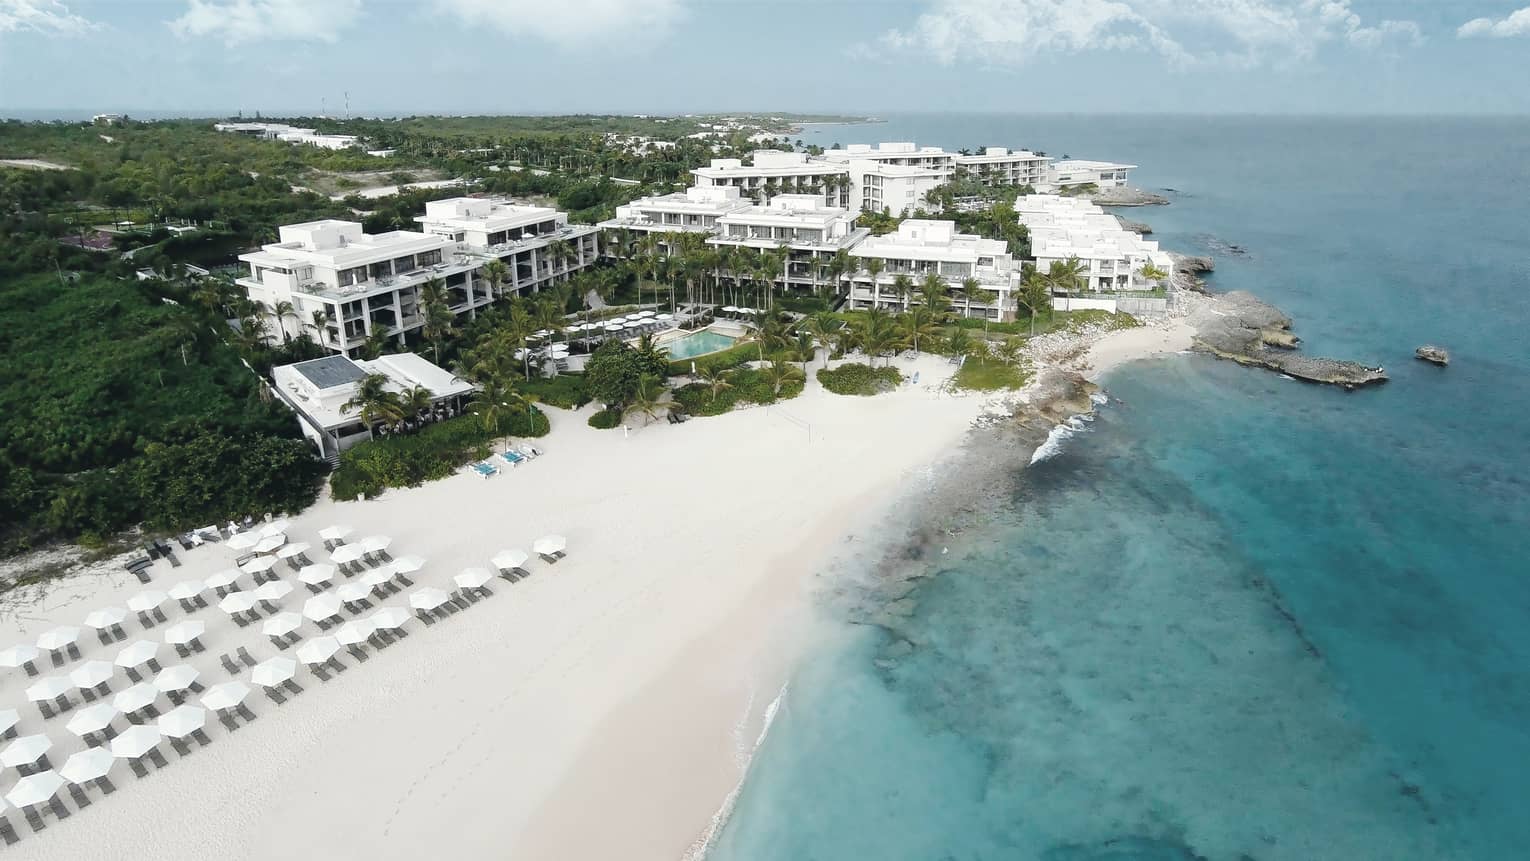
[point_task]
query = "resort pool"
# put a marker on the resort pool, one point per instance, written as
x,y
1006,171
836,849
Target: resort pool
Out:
x,y
699,344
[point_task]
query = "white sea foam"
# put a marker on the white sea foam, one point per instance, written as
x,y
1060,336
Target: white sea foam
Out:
x,y
1099,399
703,845
1054,443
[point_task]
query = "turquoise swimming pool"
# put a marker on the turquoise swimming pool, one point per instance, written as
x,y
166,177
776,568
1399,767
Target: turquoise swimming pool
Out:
x,y
699,344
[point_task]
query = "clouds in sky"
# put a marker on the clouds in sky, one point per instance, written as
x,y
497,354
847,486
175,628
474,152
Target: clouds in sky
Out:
x,y
1244,32
40,16
1515,24
569,23
236,21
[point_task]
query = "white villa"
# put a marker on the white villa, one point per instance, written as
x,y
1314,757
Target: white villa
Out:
x,y
920,247
1076,172
290,134
695,210
345,284
997,165
810,231
771,172
901,154
318,389
1063,228
898,189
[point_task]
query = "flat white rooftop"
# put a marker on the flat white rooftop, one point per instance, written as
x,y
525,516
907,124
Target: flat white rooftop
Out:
x,y
489,215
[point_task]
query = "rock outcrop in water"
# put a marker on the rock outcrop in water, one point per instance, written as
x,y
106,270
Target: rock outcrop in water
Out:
x,y
1136,227
1188,271
1126,195
1431,353
1242,328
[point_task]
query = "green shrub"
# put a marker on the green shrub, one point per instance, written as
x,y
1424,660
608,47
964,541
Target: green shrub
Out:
x,y
436,451
605,419
745,386
858,379
568,391
802,304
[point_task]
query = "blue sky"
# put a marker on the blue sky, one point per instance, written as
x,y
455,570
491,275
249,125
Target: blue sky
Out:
x,y
871,56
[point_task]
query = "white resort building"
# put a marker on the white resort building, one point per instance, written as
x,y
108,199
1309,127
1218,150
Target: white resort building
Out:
x,y
344,284
1112,257
290,134
317,391
695,210
997,165
1076,172
920,247
771,172
810,232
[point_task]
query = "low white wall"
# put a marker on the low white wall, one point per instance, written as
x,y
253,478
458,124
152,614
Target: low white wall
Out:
x,y
1062,303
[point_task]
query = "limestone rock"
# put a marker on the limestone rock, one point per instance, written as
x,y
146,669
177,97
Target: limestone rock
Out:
x,y
1431,353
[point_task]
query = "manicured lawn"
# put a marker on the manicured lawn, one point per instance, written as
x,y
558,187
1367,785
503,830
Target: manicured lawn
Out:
x,y
990,375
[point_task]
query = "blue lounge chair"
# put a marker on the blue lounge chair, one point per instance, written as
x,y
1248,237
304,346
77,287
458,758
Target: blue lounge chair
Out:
x,y
514,458
485,469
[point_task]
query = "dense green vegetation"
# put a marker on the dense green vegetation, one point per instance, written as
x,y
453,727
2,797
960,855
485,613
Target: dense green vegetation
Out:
x,y
436,451
567,391
118,408
718,392
605,419
854,378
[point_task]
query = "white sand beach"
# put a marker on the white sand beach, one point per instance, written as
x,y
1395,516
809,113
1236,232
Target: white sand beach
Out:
x,y
623,686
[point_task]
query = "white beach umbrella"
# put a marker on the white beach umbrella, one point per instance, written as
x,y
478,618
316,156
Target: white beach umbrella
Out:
x,y
244,540
549,545
270,543
237,602
472,578
181,721
272,590
613,327
137,652
292,550
146,600
105,618
273,671
136,697
408,564
665,317
92,673
318,650
92,718
258,564
334,533
354,631
25,750
317,573
560,350
224,579
521,354
323,606
347,553
90,764
8,720
729,308
644,314
635,324
509,559
187,589
226,695
389,618
349,592
377,576
18,654
48,688
274,528
182,633
428,598
135,741
374,543
281,624
177,678
35,789
58,638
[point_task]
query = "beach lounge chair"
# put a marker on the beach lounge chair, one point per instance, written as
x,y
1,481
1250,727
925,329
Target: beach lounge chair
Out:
x,y
485,469
513,458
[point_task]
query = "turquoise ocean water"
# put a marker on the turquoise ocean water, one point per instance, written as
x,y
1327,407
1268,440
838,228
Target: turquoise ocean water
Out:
x,y
1238,617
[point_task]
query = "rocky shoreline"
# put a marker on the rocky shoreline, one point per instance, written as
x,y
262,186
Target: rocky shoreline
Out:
x,y
1242,328
1126,195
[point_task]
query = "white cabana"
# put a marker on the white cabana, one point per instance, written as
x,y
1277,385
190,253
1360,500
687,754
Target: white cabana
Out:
x,y
389,618
324,606
504,560
244,540
345,554
182,633
270,543
177,678
25,750
106,617
137,652
226,695
258,564
472,578
224,579
49,688
550,545
273,590
729,309
428,598
8,720
613,327
281,624
408,564
274,528
139,696
237,602
377,576
644,314
92,673
187,590
334,533
35,789
19,655
292,550
349,592
87,765
182,721
58,638
354,632
146,601
318,650
374,543
317,574
92,718
135,741
273,671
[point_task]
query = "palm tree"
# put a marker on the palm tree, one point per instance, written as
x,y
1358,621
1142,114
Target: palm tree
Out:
x,y
1035,294
416,401
548,314
375,404
824,329
971,286
376,341
877,334
321,321
772,333
648,399
281,311
932,292
495,397
496,274
436,313
779,373
959,343
903,286
715,380
918,323
874,267
806,346
560,252
1152,273
840,265
1066,275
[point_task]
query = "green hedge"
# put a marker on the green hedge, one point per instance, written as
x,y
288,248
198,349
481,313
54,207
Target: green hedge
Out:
x,y
567,391
605,419
858,379
745,386
1019,327
436,451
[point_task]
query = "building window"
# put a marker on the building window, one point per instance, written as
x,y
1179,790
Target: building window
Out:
x,y
355,275
429,258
